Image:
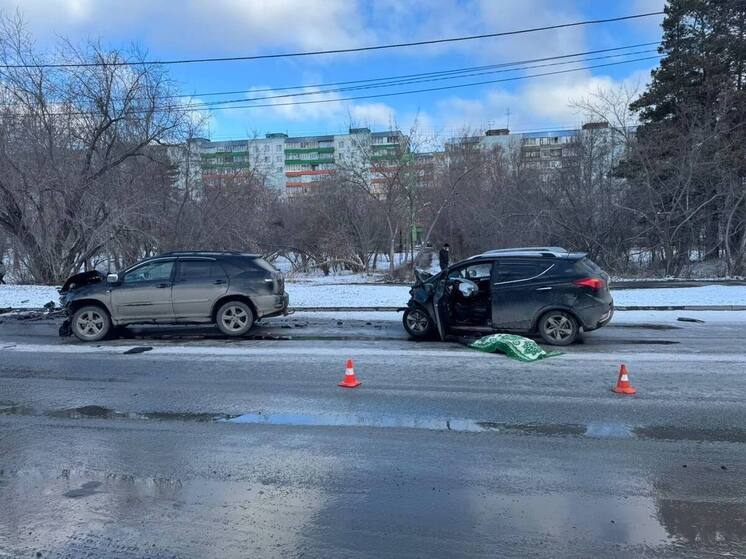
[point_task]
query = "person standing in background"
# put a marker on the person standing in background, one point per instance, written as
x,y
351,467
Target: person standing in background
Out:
x,y
444,255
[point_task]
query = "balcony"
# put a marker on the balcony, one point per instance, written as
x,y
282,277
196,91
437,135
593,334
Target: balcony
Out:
x,y
309,150
308,161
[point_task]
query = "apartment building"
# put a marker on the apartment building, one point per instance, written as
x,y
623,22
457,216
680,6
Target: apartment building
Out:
x,y
549,149
293,165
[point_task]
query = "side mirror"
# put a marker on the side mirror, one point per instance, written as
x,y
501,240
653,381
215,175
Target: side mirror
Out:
x,y
112,278
468,288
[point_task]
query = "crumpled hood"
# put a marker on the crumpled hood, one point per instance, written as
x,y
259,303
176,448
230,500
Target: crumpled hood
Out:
x,y
79,280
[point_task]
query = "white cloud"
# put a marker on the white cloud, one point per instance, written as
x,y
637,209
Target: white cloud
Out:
x,y
547,103
332,112
372,114
199,25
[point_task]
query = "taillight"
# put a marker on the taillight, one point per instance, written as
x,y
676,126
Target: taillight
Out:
x,y
593,283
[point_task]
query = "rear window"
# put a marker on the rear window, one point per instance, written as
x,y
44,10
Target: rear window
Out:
x,y
264,265
238,265
586,265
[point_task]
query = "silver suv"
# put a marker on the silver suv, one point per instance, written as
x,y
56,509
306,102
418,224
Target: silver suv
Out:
x,y
229,289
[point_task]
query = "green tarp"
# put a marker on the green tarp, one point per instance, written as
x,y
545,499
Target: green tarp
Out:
x,y
515,347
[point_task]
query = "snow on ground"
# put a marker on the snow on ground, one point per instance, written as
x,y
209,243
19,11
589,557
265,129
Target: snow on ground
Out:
x,y
331,293
325,295
27,296
705,295
671,317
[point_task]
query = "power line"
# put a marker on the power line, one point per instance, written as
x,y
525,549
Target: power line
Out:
x,y
404,76
332,51
425,90
372,96
419,80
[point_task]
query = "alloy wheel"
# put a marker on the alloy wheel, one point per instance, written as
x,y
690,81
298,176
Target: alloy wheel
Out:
x,y
558,327
235,318
418,322
90,323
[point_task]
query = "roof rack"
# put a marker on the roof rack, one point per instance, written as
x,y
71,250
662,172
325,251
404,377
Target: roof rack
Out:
x,y
205,253
556,252
527,249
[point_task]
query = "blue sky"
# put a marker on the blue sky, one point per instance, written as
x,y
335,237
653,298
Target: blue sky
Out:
x,y
200,28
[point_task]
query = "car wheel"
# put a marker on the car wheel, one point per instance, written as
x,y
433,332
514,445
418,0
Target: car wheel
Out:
x,y
558,328
235,318
90,323
418,323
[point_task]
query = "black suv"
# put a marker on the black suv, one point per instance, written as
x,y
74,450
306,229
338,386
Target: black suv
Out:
x,y
230,289
544,290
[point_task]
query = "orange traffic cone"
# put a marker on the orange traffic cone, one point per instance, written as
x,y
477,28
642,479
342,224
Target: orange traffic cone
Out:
x,y
623,385
350,380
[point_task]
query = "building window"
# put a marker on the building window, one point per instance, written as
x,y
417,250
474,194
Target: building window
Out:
x,y
278,147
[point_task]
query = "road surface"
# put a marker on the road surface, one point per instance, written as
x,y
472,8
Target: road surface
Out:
x,y
205,447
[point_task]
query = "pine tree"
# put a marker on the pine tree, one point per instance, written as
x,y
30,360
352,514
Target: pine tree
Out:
x,y
689,165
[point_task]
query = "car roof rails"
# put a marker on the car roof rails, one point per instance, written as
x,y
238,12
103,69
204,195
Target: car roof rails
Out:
x,y
552,252
527,249
206,253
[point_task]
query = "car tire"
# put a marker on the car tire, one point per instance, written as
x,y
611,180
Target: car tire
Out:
x,y
558,328
418,323
91,323
234,318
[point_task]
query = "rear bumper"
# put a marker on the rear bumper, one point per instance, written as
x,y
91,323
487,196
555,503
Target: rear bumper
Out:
x,y
594,322
279,306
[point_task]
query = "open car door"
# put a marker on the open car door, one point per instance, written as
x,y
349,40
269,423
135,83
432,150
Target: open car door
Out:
x,y
440,305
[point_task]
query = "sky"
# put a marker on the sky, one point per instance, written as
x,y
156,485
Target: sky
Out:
x,y
217,28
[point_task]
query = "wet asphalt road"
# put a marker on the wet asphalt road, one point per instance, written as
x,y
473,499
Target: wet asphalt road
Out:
x,y
204,447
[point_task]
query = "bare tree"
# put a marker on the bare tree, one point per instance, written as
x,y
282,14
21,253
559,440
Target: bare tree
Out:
x,y
70,138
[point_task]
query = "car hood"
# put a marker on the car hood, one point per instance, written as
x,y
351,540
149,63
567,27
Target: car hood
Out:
x,y
80,280
421,277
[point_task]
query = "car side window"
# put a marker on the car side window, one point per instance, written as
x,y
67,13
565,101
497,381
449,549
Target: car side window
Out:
x,y
153,271
196,270
517,271
474,272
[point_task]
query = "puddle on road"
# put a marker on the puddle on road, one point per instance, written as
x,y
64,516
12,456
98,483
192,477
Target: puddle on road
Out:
x,y
534,428
595,430
609,431
628,521
101,412
404,422
352,420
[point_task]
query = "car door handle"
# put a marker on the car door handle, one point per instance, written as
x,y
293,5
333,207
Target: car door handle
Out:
x,y
543,288
219,282
162,285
